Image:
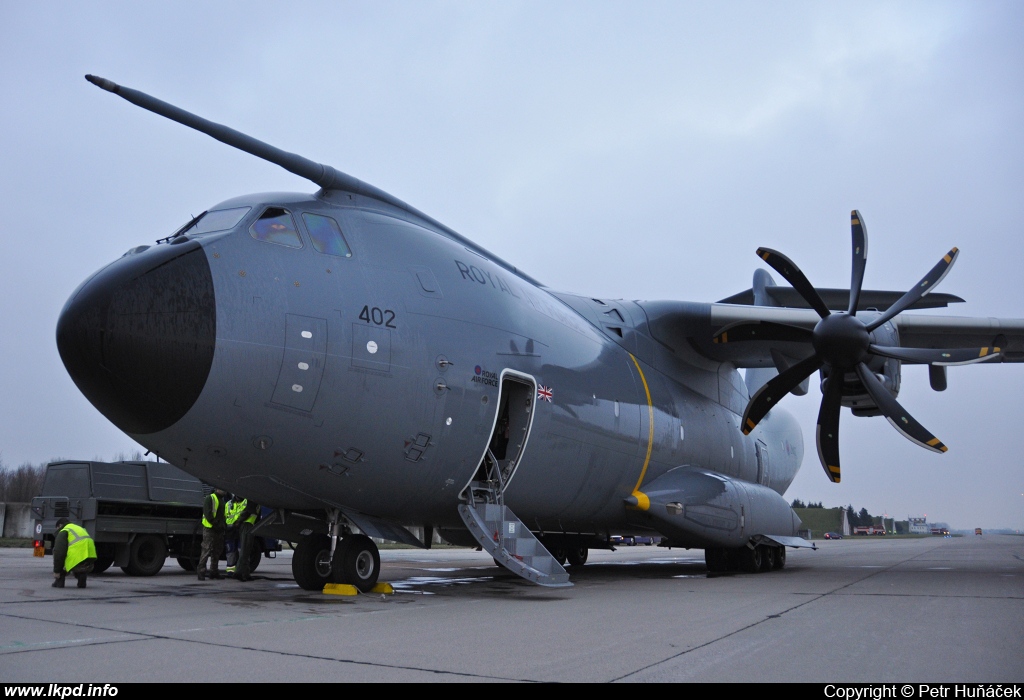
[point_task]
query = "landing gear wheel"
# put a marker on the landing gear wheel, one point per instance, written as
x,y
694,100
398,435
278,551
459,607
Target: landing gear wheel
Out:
x,y
717,560
146,556
767,557
780,558
749,559
311,563
577,556
184,562
358,562
254,558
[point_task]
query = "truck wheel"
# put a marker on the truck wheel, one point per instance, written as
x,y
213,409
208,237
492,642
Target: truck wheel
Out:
x,y
102,564
191,551
146,556
311,562
359,562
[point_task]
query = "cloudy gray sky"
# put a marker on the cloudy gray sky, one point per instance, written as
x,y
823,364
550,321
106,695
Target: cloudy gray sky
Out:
x,y
636,150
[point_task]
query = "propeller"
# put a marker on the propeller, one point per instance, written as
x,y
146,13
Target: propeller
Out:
x,y
845,345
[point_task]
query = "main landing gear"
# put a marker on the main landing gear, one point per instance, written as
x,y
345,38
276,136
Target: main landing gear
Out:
x,y
752,560
320,559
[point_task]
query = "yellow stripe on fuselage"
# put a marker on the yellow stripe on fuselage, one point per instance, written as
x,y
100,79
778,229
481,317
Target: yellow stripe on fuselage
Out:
x,y
650,429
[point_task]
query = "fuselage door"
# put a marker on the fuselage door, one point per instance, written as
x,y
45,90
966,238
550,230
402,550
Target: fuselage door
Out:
x,y
517,395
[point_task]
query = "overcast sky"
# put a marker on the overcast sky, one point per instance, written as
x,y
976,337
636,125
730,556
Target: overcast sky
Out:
x,y
625,150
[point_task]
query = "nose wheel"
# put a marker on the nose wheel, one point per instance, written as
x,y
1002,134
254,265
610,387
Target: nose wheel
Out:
x,y
356,562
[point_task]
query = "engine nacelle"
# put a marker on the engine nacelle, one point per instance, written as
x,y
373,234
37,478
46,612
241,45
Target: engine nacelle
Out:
x,y
855,396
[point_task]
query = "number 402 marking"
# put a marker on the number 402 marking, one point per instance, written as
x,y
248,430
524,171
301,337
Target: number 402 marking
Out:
x,y
379,317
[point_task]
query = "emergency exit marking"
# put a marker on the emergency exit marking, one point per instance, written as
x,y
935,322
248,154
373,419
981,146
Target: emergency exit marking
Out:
x,y
307,334
371,347
303,366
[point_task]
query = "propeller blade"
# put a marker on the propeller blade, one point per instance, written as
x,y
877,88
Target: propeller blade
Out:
x,y
930,356
897,415
768,395
785,267
827,433
762,330
859,234
926,284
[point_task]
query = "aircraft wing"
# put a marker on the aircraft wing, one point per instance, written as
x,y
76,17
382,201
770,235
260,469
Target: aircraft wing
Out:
x,y
684,327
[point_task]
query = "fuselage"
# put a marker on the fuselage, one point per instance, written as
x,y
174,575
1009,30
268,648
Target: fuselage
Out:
x,y
370,373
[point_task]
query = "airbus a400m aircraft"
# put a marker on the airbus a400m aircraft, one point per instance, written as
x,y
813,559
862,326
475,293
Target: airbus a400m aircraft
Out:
x,y
363,369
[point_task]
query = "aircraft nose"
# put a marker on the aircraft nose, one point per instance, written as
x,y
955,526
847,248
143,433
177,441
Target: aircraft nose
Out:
x,y
138,336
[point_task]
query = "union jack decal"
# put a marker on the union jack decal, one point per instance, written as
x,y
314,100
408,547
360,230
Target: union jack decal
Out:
x,y
545,393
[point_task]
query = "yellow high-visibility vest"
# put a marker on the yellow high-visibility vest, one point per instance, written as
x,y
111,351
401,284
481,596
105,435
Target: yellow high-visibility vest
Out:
x,y
80,546
216,507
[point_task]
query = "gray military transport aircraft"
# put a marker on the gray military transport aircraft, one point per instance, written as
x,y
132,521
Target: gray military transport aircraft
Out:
x,y
363,369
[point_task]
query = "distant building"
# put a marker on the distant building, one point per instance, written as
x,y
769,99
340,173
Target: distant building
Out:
x,y
919,526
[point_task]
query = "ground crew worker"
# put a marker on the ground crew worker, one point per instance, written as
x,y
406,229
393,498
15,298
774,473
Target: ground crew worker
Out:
x,y
245,518
214,524
74,552
231,512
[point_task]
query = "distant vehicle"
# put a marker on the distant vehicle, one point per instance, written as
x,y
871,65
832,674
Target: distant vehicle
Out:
x,y
977,531
941,531
633,540
833,536
138,514
869,530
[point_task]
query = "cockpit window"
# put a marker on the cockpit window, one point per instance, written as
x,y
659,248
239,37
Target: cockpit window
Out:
x,y
276,225
326,235
221,220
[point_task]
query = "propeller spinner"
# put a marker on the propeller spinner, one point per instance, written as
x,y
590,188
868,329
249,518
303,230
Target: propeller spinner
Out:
x,y
844,344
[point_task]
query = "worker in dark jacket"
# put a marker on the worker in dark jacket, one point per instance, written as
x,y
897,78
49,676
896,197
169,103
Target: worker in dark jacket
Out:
x,y
214,525
74,552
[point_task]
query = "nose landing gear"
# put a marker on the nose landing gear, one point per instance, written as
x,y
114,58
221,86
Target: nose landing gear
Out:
x,y
342,557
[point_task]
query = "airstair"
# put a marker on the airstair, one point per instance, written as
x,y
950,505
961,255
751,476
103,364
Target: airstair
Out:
x,y
502,535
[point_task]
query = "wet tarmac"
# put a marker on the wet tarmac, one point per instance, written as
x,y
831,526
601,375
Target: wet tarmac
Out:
x,y
918,610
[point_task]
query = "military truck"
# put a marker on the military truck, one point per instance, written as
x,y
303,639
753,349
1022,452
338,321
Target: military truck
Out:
x,y
138,513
